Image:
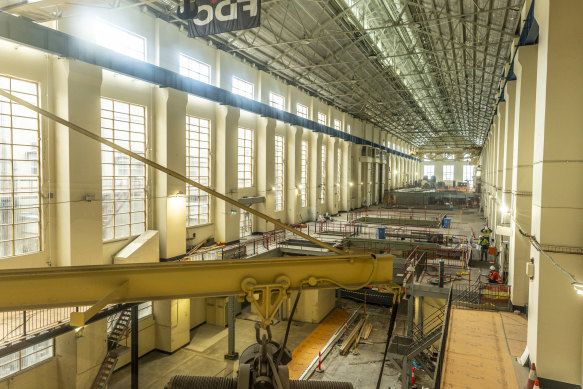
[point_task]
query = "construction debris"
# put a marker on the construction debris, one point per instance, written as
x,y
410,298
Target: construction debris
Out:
x,y
361,330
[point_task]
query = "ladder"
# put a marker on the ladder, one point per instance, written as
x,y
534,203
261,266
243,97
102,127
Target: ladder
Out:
x,y
119,330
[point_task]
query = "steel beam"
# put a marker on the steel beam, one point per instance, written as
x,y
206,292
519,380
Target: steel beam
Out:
x,y
85,285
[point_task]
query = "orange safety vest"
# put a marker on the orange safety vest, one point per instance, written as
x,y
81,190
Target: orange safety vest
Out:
x,y
494,276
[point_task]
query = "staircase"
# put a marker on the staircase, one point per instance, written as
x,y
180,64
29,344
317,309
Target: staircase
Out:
x,y
119,329
418,346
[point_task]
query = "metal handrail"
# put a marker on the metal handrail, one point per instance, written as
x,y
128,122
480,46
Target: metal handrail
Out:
x,y
443,342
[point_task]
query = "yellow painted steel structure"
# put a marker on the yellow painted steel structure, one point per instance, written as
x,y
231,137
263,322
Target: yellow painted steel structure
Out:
x,y
253,279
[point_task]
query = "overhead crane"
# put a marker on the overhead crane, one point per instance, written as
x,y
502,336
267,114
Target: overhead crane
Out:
x,y
265,283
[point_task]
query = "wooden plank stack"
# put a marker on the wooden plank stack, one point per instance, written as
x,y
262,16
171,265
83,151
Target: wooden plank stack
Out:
x,y
361,330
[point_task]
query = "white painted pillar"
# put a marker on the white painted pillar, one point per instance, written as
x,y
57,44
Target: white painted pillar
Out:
x,y
293,200
525,68
77,99
345,179
356,176
315,172
500,130
331,166
170,135
226,215
265,162
555,322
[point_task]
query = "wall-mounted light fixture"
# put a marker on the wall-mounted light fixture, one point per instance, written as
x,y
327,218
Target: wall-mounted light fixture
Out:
x,y
578,287
79,332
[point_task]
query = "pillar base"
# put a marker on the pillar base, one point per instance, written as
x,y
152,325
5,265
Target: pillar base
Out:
x,y
232,357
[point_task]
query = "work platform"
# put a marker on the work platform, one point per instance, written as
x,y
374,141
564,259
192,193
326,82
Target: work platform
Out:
x,y
480,348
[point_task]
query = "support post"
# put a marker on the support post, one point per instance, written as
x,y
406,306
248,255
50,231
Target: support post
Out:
x,y
134,346
410,314
231,353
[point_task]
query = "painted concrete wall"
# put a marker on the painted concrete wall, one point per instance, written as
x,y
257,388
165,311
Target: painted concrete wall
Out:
x,y
544,197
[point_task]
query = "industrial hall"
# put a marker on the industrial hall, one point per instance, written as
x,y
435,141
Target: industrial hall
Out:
x,y
291,194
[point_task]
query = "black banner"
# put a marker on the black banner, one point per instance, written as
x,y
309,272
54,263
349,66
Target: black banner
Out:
x,y
216,16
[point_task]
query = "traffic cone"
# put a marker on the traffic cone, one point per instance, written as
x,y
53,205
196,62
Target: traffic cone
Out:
x,y
536,385
413,378
531,377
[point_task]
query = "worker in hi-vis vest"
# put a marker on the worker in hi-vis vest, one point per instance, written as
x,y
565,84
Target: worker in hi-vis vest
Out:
x,y
493,277
484,246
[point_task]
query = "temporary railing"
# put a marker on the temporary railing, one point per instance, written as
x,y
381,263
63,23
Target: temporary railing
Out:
x,y
402,213
244,248
443,342
427,262
401,232
482,296
18,325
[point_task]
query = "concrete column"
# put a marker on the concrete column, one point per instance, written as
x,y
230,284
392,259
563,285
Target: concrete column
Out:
x,y
77,98
265,168
226,216
172,323
493,175
331,165
393,166
400,168
293,199
367,182
356,176
345,180
525,66
555,322
315,173
500,130
170,135
510,96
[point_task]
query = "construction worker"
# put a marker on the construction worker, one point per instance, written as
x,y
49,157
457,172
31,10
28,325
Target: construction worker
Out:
x,y
484,247
493,277
486,231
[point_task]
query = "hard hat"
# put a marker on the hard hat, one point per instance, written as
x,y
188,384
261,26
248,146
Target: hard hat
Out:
x,y
492,268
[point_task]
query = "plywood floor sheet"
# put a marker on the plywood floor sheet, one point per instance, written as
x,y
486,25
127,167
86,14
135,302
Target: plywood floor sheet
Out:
x,y
479,349
305,353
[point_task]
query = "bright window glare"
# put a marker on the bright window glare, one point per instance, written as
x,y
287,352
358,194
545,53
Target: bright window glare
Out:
x,y
120,40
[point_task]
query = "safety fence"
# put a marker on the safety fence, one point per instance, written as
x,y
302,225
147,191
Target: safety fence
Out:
x,y
396,213
246,247
17,325
444,265
483,296
402,232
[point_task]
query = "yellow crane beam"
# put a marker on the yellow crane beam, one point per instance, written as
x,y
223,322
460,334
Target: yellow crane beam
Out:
x,y
23,289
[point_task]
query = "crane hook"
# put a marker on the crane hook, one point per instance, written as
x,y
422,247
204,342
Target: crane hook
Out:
x,y
189,10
